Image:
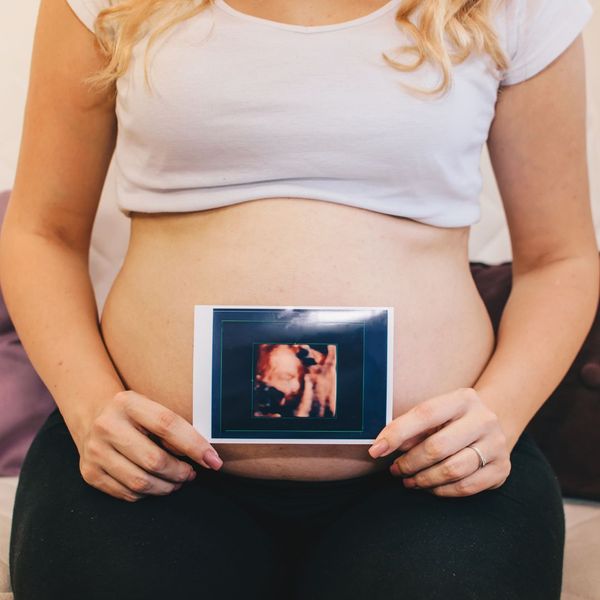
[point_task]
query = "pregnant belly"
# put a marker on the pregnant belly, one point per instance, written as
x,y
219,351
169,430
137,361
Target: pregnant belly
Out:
x,y
303,252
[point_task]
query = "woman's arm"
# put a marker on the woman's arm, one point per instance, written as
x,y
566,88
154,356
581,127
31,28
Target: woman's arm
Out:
x,y
538,150
67,142
537,145
548,314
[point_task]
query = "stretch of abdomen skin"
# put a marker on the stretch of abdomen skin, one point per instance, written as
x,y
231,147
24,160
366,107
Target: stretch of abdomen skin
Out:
x,y
295,251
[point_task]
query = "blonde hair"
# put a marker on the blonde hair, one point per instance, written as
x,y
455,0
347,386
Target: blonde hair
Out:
x,y
466,23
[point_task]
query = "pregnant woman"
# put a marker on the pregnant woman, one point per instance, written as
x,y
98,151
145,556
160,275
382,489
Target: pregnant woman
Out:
x,y
298,153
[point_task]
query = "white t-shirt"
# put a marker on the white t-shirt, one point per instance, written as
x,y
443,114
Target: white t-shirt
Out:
x,y
245,108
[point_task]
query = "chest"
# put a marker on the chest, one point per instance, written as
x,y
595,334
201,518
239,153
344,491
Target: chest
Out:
x,y
226,87
308,14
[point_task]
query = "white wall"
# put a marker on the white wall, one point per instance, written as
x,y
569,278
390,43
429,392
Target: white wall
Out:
x,y
489,238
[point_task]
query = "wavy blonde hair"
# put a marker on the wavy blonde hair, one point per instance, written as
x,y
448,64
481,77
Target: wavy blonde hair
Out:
x,y
466,23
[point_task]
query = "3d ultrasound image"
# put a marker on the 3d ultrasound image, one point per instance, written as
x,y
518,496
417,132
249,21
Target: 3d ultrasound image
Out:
x,y
292,373
295,380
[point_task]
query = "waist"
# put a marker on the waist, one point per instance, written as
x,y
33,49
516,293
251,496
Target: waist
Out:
x,y
295,252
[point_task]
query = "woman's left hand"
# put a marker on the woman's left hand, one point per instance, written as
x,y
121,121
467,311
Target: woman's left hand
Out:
x,y
434,436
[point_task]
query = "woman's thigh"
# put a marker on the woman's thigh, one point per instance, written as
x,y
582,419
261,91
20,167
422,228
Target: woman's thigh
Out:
x,y
408,544
71,540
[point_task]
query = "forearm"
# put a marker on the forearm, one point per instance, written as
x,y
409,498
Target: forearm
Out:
x,y
49,296
547,316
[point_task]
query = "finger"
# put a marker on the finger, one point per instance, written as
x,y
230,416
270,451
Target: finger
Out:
x,y
413,441
482,479
170,448
173,428
135,479
455,467
440,445
148,455
330,360
104,482
430,413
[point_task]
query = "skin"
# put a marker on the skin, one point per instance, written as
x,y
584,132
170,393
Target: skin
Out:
x,y
283,371
536,144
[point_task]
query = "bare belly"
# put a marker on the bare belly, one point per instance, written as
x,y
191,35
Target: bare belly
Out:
x,y
305,252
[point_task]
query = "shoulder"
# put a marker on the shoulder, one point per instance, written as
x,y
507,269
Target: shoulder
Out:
x,y
87,10
538,31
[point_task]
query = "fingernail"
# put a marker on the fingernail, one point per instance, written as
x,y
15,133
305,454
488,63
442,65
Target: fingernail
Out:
x,y
212,459
378,447
192,475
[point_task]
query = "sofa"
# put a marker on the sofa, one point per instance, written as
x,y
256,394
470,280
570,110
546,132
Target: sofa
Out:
x,y
488,243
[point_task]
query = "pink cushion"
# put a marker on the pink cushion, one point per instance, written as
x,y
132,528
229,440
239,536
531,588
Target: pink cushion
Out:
x,y
24,399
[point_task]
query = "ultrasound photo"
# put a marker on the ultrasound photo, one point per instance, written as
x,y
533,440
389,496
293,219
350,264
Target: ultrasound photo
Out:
x,y
292,374
294,380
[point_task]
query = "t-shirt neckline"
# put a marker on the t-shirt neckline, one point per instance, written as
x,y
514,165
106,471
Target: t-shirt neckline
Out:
x,y
308,28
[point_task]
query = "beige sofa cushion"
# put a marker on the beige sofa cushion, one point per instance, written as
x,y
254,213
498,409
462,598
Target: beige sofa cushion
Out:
x,y
8,487
582,550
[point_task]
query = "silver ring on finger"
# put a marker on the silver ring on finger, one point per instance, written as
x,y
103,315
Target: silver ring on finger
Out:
x,y
482,461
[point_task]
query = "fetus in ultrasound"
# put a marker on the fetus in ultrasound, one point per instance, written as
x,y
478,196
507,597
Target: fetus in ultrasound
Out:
x,y
295,380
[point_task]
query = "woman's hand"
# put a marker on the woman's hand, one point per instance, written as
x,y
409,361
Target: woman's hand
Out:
x,y
118,457
434,436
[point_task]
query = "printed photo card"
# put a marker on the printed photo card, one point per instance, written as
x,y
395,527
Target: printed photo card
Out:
x,y
292,374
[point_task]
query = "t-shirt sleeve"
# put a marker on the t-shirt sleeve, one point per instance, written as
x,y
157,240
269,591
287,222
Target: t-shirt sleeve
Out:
x,y
87,10
542,30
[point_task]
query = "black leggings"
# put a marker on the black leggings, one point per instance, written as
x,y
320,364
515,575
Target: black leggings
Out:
x,y
227,537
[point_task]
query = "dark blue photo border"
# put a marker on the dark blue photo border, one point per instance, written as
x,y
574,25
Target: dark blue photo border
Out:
x,y
366,399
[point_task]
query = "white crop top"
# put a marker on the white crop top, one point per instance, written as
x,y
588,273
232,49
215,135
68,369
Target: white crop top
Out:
x,y
256,108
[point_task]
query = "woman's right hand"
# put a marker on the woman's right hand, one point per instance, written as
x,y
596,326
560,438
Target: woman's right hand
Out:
x,y
117,456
